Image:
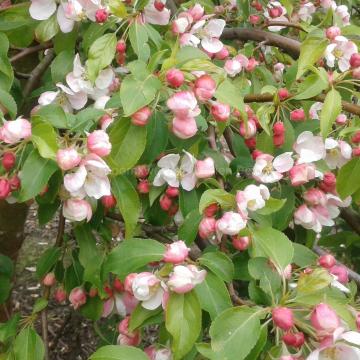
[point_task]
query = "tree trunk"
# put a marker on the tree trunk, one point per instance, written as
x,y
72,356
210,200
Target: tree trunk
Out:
x,y
12,222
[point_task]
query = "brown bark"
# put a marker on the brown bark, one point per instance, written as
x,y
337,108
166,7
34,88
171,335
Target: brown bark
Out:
x,y
12,222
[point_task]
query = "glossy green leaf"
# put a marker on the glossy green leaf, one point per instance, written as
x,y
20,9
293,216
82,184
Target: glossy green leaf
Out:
x,y
219,263
313,282
62,65
189,228
28,345
47,29
140,315
347,181
272,205
114,352
219,196
138,36
54,115
43,137
227,93
329,112
8,102
47,261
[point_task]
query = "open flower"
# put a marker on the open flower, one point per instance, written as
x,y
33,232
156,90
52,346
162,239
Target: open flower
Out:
x,y
154,16
252,198
176,173
341,50
310,148
268,169
89,179
338,153
306,11
230,224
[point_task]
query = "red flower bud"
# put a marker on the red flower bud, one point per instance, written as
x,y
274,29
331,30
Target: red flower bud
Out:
x,y
143,187
172,192
101,16
254,19
8,160
121,46
118,285
294,339
355,60
283,94
4,189
108,201
283,318
158,5
141,171
165,202
175,78
327,261
15,183
241,243
49,279
211,210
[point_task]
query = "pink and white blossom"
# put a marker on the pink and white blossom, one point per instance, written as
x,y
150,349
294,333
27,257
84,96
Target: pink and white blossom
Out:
x,y
252,198
98,142
306,11
176,252
338,153
153,16
77,210
68,158
15,130
271,5
340,50
184,278
205,168
310,148
230,223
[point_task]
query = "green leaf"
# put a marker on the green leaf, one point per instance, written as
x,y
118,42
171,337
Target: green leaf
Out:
x,y
47,261
227,93
257,350
213,295
128,202
140,315
133,254
218,196
264,115
62,65
313,282
54,115
43,137
28,345
183,322
189,228
235,333
6,266
145,88
274,245
118,8
156,137
85,119
40,304
272,205
93,308
281,218
65,41
9,329
128,144
313,85
347,181
219,263
35,174
188,201
303,256
7,101
311,51
115,352
47,29
6,71
47,211
101,54
5,288
330,110
138,38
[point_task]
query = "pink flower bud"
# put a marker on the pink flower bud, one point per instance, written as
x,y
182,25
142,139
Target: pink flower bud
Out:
x,y
118,286
175,78
184,128
77,297
197,12
252,64
105,121
205,168
283,94
301,174
297,115
60,295
324,318
356,152
141,171
355,60
15,183
283,318
211,210
8,160
5,189
184,278
108,201
126,337
172,192
279,128
101,16
232,67
220,111
275,12
256,153
165,203
256,5
341,119
288,357
143,187
315,196
341,273
356,138
250,143
207,227
121,46
241,243
181,24
176,252
205,87
248,131
128,282
141,117
279,140
93,292
356,73
254,19
230,223
98,142
49,279
67,158
332,32
222,54
294,339
77,210
15,130
328,184
159,5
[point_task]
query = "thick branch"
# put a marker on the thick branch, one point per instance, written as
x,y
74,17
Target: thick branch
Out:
x,y
352,274
352,219
290,46
29,51
36,74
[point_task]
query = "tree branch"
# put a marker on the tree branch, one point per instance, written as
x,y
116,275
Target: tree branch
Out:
x,y
352,219
283,23
290,46
29,51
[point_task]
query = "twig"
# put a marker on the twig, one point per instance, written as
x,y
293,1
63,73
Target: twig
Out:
x,y
352,274
352,219
36,74
30,50
235,298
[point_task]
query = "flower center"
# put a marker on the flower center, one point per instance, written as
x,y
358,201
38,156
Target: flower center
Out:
x,y
268,169
179,174
338,53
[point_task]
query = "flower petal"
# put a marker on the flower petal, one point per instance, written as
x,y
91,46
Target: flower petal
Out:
x,y
42,9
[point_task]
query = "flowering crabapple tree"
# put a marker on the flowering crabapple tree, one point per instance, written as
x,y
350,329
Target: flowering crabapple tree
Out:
x,y
205,159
